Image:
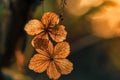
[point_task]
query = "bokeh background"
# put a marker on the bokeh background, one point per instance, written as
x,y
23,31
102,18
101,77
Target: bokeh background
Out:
x,y
93,28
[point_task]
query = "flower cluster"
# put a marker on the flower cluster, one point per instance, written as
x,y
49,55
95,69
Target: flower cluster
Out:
x,y
49,57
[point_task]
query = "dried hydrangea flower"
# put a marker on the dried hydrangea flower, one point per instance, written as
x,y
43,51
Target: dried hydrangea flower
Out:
x,y
49,25
53,60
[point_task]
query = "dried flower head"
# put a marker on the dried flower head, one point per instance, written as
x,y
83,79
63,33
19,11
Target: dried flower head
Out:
x,y
49,25
53,60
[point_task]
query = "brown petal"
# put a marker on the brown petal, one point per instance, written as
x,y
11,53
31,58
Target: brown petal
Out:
x,y
40,40
48,51
33,27
64,65
39,63
58,34
52,71
50,19
61,50
42,44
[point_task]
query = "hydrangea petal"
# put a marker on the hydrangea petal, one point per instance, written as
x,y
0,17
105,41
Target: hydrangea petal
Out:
x,y
33,27
42,44
64,65
50,48
58,34
48,51
50,19
61,50
42,52
52,71
39,63
39,39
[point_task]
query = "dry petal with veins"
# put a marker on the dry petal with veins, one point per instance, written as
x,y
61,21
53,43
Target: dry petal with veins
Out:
x,y
33,27
50,19
41,43
49,25
53,60
58,34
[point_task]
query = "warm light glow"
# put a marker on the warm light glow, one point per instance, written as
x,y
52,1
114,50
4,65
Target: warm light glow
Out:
x,y
80,7
106,21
